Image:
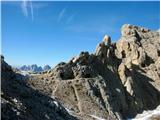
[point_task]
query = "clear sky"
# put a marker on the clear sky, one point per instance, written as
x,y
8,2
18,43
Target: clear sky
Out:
x,y
50,32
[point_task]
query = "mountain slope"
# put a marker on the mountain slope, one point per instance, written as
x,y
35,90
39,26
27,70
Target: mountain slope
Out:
x,y
21,102
118,81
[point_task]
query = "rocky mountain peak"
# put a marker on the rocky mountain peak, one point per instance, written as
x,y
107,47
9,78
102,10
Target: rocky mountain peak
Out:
x,y
107,40
46,68
118,81
128,30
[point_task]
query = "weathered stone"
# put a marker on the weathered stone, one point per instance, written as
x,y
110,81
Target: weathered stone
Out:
x,y
107,40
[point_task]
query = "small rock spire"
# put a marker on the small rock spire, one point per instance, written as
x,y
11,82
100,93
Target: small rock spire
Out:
x,y
107,40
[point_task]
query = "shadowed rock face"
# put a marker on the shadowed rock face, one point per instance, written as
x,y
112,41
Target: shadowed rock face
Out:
x,y
118,81
21,102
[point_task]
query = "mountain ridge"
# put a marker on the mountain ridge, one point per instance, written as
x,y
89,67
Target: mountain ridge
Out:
x,y
34,68
124,69
118,81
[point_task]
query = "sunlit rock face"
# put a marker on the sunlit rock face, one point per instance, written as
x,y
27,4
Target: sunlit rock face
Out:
x,y
118,81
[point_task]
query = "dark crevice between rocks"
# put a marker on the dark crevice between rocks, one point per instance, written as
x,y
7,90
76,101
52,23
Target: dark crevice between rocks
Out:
x,y
150,99
123,54
158,52
148,60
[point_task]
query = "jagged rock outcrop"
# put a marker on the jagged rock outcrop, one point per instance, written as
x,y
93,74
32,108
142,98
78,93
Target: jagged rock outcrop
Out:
x,y
21,102
139,46
118,81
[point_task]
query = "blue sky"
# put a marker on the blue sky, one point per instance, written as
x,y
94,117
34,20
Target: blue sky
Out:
x,y
51,32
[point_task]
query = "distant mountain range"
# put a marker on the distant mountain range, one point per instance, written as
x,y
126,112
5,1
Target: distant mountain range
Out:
x,y
34,68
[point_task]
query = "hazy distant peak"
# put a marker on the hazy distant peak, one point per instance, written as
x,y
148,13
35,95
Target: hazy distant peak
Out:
x,y
34,68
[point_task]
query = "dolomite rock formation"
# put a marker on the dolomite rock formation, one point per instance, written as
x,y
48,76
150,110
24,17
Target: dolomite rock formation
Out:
x,y
118,81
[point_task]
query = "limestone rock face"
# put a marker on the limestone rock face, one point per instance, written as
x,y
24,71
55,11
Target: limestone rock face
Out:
x,y
138,46
118,81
